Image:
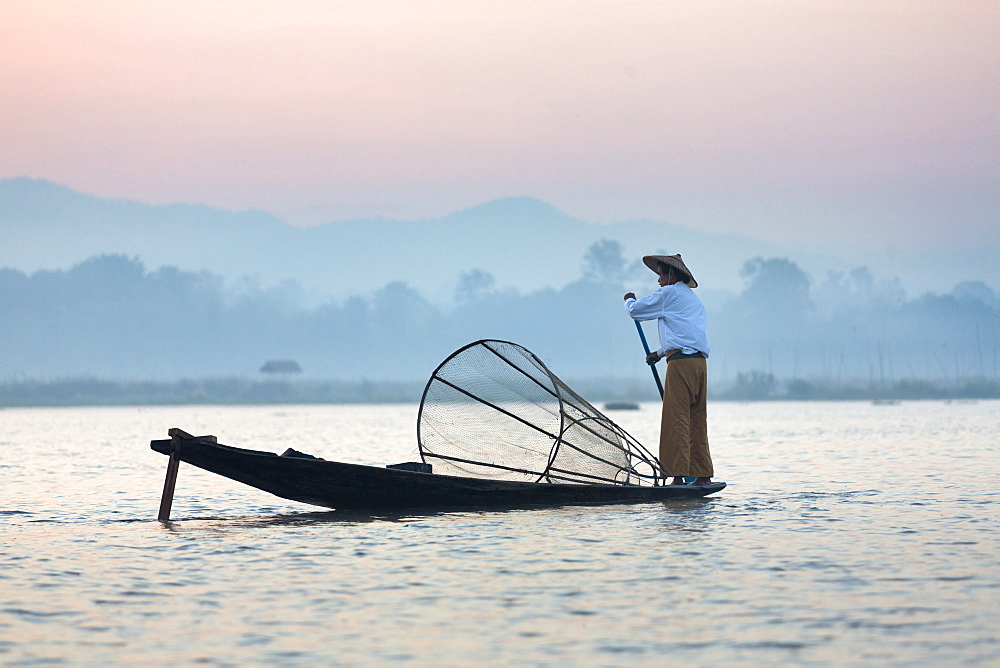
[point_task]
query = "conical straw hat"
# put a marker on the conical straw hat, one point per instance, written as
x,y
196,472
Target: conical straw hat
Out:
x,y
675,261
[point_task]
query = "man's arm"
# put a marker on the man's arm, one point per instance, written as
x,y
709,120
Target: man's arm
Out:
x,y
647,308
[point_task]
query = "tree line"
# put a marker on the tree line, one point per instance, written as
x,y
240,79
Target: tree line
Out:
x,y
784,334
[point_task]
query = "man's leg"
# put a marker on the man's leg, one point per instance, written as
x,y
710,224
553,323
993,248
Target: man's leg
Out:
x,y
675,419
701,457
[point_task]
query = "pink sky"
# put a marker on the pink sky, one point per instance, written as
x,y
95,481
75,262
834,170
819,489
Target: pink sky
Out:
x,y
813,120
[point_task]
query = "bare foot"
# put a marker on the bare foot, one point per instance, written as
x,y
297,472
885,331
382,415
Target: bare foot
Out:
x,y
679,480
702,481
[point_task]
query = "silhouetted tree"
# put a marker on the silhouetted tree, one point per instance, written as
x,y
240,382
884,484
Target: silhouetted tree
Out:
x,y
474,286
977,291
603,262
775,284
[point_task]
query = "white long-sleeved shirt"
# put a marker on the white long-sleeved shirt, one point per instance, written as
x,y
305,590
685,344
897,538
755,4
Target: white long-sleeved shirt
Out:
x,y
680,317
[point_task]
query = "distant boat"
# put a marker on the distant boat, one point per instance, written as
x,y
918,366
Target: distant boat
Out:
x,y
621,406
281,367
885,402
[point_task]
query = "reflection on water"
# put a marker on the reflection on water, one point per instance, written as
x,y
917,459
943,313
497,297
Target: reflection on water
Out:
x,y
850,533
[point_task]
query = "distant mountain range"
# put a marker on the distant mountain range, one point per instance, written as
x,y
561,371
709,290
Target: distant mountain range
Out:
x,y
524,243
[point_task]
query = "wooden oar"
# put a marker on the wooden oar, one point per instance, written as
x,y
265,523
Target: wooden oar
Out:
x,y
652,365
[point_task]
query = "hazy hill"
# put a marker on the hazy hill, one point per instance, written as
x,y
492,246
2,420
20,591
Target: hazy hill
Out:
x,y
141,292
48,226
524,243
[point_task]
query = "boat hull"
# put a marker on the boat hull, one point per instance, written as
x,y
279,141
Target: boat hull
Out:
x,y
358,487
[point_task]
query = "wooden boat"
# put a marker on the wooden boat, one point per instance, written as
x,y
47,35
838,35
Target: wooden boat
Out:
x,y
358,487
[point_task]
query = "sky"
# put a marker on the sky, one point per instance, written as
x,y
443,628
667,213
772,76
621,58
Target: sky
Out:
x,y
817,121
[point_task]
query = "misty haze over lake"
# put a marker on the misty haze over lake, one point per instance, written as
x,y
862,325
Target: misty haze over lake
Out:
x,y
136,292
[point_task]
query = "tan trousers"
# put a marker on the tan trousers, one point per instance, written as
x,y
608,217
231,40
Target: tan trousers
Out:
x,y
684,421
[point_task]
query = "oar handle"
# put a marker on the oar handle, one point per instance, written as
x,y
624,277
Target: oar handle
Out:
x,y
652,365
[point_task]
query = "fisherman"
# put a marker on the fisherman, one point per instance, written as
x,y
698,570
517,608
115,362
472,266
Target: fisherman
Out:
x,y
680,317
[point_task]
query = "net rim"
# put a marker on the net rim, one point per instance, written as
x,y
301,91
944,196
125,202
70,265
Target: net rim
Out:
x,y
556,389
483,342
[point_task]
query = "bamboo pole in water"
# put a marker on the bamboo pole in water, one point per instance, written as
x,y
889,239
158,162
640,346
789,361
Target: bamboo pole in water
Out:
x,y
170,481
167,499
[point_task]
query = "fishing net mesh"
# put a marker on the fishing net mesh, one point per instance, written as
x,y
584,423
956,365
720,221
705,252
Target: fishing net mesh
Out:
x,y
493,410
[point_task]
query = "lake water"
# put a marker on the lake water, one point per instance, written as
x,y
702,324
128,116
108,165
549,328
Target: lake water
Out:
x,y
850,533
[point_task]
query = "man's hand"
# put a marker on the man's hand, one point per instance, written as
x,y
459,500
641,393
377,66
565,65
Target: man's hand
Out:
x,y
629,295
653,357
